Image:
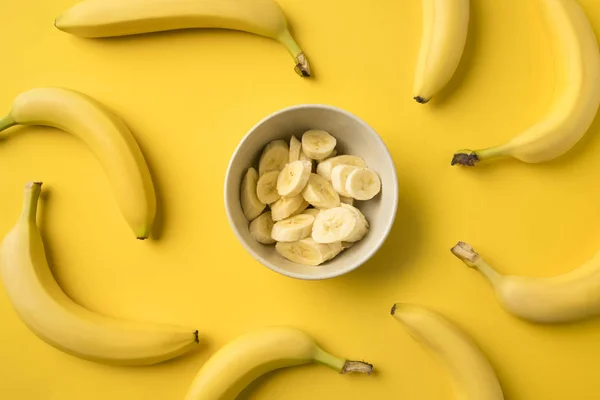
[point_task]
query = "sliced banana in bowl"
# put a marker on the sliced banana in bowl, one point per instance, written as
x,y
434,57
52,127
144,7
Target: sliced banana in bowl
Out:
x,y
325,192
293,228
293,178
319,193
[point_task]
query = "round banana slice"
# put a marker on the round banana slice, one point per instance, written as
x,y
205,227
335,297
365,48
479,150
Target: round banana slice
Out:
x,y
320,193
318,144
251,205
363,184
325,167
274,156
266,188
287,206
335,225
305,251
295,149
261,227
362,227
312,211
293,178
293,228
339,176
347,200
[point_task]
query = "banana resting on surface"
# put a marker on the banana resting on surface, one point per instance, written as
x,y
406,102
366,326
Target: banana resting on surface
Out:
x,y
106,135
576,98
225,375
54,318
473,377
568,297
109,18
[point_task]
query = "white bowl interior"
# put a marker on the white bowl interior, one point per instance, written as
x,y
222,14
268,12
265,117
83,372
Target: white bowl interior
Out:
x,y
354,137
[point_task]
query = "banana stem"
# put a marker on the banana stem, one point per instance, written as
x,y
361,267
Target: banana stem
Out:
x,y
302,68
30,200
469,158
6,122
467,255
341,365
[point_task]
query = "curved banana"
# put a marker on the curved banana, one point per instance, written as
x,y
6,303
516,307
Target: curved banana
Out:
x,y
577,92
107,18
108,138
241,361
473,377
445,27
53,317
568,297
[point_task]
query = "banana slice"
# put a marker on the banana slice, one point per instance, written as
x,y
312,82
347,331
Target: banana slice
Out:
x,y
305,251
318,144
339,176
295,149
362,227
320,193
293,228
336,225
287,207
266,188
312,211
346,200
261,227
363,184
293,178
251,205
325,167
274,156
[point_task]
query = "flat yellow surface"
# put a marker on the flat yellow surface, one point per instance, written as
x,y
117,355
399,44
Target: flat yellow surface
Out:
x,y
190,97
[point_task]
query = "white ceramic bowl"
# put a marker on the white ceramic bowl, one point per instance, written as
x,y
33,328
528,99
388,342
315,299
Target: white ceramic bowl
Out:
x,y
354,137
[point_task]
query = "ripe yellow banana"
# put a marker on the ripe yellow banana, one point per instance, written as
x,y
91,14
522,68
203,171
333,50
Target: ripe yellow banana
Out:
x,y
473,377
52,316
569,297
445,27
577,92
108,138
240,362
107,18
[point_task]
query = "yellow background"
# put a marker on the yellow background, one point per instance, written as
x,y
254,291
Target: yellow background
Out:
x,y
189,97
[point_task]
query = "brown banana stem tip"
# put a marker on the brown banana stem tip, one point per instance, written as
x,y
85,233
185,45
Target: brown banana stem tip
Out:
x,y
357,366
421,100
302,68
465,159
465,252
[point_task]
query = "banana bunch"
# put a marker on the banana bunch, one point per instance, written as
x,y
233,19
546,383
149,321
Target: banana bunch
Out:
x,y
472,375
285,181
568,297
106,135
445,29
109,18
256,353
577,93
54,318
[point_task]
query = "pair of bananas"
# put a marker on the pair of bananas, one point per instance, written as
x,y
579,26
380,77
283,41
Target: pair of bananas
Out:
x,y
577,93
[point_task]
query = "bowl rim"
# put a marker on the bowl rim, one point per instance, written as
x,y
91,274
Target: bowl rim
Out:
x,y
351,266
